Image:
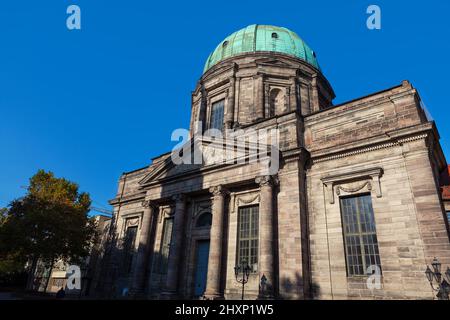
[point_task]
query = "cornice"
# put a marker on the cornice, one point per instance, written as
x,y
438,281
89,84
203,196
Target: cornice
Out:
x,y
390,139
136,197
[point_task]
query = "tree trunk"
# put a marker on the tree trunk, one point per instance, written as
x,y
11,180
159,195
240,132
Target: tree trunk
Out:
x,y
31,273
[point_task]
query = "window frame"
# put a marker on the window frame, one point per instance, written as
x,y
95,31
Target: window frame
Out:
x,y
163,261
360,236
211,113
129,248
248,238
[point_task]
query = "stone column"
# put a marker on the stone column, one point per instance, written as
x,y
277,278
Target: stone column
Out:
x,y
173,263
137,288
236,100
259,96
216,239
266,236
230,104
315,95
293,96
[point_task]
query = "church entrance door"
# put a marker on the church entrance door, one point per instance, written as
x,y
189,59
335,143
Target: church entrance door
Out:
x,y
201,268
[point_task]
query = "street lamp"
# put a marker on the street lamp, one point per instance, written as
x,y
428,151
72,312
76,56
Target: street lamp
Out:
x,y
435,275
242,272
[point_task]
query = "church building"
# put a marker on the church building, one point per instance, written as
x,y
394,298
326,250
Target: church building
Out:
x,y
354,209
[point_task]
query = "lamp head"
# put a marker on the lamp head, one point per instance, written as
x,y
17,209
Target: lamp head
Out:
x,y
436,265
236,270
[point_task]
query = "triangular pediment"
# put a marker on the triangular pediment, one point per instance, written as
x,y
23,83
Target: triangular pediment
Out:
x,y
204,152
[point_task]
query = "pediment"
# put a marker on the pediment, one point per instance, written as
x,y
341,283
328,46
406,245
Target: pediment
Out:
x,y
205,152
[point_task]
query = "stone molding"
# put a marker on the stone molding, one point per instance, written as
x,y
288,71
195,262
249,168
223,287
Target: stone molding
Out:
x,y
266,181
149,204
165,211
218,191
369,178
246,198
398,142
200,207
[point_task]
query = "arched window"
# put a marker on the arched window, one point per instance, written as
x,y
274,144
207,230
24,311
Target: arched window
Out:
x,y
276,102
205,220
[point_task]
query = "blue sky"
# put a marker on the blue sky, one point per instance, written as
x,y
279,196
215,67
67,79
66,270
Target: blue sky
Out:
x,y
90,104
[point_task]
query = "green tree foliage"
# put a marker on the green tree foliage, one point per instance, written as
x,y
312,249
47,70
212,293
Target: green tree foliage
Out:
x,y
49,223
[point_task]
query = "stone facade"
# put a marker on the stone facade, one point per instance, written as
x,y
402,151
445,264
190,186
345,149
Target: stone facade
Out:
x,y
380,145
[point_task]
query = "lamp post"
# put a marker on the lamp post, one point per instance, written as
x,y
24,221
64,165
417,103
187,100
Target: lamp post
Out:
x,y
242,272
435,275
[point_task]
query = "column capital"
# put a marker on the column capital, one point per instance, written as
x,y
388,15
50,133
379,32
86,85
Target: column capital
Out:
x,y
218,190
179,197
149,204
267,181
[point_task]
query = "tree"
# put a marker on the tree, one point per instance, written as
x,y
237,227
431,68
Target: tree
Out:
x,y
49,223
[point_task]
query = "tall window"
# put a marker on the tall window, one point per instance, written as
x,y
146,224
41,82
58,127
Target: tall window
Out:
x,y
165,244
216,120
361,244
128,247
248,221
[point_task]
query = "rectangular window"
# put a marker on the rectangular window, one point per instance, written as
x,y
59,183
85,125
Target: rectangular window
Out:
x,y
248,229
128,247
448,216
216,120
165,244
360,238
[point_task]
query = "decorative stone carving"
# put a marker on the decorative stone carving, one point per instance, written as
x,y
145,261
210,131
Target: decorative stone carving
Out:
x,y
166,211
132,222
200,207
247,198
148,204
369,178
218,191
355,189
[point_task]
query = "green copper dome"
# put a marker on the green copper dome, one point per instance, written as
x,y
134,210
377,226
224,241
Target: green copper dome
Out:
x,y
262,38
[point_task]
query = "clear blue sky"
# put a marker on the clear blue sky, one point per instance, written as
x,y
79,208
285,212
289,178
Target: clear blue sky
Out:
x,y
91,104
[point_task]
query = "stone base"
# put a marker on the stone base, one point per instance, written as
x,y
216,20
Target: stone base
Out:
x,y
168,295
266,297
208,296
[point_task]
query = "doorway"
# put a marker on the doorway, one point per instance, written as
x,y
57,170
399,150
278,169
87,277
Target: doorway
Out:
x,y
201,267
